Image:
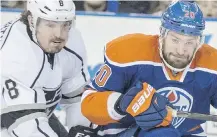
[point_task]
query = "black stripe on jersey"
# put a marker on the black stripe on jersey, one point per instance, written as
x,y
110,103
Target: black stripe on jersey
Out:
x,y
3,91
8,119
9,33
58,128
50,110
39,129
51,89
15,134
36,96
65,97
82,62
42,66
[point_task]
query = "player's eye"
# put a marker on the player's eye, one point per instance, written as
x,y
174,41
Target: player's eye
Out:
x,y
51,25
175,41
67,24
189,43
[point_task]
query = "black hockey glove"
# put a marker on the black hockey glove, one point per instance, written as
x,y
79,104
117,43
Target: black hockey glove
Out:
x,y
81,131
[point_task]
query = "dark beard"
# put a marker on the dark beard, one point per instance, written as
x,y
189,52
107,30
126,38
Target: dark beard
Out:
x,y
176,64
173,63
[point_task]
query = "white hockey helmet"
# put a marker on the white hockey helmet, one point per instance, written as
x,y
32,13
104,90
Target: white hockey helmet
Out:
x,y
54,10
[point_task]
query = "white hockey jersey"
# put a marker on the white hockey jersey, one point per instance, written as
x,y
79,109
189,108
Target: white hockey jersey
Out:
x,y
33,82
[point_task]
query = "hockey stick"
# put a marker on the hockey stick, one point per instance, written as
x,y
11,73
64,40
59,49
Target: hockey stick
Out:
x,y
197,116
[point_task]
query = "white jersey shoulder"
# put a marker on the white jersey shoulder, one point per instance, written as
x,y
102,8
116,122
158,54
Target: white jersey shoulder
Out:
x,y
76,42
21,57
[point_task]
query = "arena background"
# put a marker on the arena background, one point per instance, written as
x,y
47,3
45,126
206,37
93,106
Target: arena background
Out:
x,y
97,28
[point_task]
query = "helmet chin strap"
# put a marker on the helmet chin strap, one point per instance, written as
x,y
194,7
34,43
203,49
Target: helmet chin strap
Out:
x,y
161,52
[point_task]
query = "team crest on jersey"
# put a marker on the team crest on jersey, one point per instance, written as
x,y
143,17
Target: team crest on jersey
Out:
x,y
180,99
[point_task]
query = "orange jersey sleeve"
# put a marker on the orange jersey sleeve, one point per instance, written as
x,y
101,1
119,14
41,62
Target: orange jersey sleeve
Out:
x,y
98,107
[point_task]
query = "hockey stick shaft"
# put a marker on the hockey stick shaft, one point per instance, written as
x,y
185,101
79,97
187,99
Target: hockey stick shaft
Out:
x,y
197,116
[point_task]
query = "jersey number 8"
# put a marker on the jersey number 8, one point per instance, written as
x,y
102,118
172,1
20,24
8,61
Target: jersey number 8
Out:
x,y
11,87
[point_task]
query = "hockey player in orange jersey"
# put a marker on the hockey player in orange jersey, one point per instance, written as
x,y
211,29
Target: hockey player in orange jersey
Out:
x,y
143,74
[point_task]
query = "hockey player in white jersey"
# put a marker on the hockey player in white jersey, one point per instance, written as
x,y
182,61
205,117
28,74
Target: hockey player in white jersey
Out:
x,y
43,63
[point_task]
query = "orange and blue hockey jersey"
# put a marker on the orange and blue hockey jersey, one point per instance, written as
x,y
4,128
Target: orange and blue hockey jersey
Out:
x,y
135,57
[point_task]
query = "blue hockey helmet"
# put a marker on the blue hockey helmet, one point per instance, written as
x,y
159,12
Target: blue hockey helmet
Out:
x,y
184,17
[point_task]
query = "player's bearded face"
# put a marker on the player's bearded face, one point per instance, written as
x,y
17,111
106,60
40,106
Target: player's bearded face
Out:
x,y
52,35
178,49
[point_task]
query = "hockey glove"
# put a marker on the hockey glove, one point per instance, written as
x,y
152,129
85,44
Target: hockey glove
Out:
x,y
147,107
81,131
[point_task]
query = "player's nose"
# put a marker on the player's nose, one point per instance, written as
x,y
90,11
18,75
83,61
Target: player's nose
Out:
x,y
180,49
57,32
